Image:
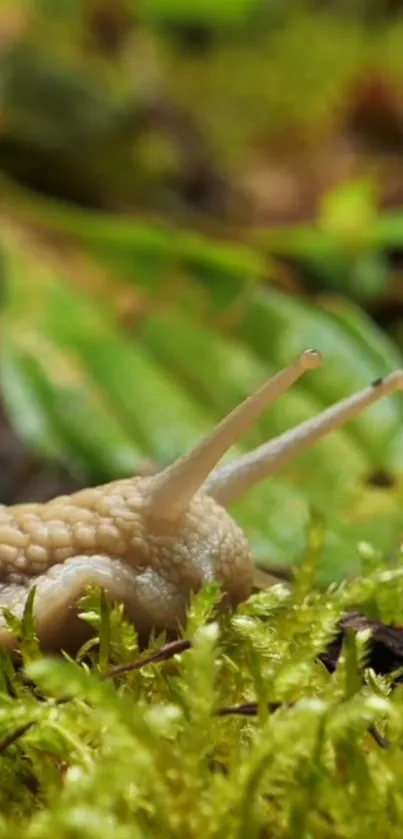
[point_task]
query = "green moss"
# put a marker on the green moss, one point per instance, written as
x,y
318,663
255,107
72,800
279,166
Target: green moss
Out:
x,y
87,751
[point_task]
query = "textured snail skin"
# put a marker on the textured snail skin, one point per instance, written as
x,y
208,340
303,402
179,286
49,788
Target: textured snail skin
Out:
x,y
106,536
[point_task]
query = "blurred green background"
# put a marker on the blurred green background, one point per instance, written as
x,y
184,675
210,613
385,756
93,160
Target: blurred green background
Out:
x,y
191,194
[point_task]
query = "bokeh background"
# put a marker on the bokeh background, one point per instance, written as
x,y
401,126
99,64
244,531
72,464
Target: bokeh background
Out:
x,y
190,194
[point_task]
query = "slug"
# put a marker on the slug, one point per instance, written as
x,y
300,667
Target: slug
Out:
x,y
150,542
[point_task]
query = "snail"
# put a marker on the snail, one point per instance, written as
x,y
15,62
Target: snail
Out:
x,y
151,542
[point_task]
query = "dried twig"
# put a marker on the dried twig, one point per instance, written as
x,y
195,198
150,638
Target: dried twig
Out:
x,y
164,654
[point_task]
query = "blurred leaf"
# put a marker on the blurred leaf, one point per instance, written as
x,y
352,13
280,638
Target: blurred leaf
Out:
x,y
349,210
111,397
210,12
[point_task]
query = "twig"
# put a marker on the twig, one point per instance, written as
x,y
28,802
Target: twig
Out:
x,y
251,709
164,654
16,735
381,741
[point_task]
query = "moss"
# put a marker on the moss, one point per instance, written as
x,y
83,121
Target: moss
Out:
x,y
108,745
